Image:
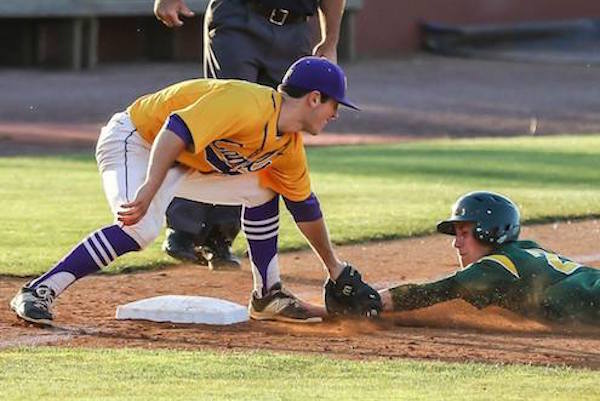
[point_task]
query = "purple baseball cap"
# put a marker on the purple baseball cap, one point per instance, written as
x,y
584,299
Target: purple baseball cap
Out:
x,y
319,74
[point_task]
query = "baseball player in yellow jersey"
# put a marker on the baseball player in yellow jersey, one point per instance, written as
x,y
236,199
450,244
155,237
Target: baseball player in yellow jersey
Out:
x,y
253,40
223,142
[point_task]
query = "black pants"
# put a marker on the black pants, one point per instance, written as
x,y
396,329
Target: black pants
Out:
x,y
206,223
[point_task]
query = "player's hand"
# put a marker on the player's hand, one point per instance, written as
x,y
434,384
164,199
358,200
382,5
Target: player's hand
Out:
x,y
168,12
327,50
132,212
350,295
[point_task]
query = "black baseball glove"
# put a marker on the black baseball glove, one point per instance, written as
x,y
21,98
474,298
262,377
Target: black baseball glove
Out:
x,y
349,295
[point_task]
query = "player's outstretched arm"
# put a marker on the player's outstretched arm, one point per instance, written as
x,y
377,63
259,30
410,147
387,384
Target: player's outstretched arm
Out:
x,y
345,291
165,149
415,296
168,12
317,236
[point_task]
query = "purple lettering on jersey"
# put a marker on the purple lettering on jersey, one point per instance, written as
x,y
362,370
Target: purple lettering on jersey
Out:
x,y
217,163
180,128
224,156
306,210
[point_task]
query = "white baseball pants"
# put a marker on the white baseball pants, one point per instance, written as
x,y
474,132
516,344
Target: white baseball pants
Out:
x,y
123,157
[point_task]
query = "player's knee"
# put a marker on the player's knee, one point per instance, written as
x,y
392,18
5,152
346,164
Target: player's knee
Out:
x,y
144,232
260,197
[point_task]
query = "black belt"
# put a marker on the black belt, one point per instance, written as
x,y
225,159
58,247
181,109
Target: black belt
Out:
x,y
277,16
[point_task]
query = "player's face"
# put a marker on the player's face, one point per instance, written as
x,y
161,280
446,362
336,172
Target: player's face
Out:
x,y
319,113
468,248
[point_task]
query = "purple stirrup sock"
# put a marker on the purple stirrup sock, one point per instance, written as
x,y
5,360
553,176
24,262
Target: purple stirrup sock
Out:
x,y
261,227
94,252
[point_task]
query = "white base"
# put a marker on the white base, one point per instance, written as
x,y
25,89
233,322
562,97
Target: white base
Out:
x,y
184,309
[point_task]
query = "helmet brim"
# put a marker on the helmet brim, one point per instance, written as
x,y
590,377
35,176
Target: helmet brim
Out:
x,y
447,226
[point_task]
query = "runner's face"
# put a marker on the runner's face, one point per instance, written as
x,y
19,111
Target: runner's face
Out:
x,y
468,248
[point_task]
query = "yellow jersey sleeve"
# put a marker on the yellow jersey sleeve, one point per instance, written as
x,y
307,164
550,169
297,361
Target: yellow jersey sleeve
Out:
x,y
288,175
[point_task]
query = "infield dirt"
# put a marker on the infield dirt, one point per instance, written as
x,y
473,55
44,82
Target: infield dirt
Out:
x,y
452,331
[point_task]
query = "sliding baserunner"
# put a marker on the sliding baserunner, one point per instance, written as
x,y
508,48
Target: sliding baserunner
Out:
x,y
498,269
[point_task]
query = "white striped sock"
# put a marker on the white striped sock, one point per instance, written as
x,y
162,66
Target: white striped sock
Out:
x,y
92,253
59,281
108,245
103,255
260,222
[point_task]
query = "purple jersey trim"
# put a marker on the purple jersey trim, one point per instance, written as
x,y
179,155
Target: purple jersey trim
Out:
x,y
306,210
179,127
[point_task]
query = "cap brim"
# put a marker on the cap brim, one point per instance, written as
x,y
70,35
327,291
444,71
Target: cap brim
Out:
x,y
349,103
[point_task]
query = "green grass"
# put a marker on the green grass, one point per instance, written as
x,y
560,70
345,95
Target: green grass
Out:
x,y
367,192
81,374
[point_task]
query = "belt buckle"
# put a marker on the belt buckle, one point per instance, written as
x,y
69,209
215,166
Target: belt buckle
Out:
x,y
283,13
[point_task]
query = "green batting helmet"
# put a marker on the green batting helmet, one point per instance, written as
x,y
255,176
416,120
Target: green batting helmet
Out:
x,y
496,217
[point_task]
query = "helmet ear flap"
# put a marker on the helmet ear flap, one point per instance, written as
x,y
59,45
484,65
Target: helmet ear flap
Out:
x,y
478,232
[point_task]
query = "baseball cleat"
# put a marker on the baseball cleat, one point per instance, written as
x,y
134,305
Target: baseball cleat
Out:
x,y
180,246
220,257
281,305
34,304
232,263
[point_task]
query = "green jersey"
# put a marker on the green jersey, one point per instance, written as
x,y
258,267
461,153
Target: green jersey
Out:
x,y
520,276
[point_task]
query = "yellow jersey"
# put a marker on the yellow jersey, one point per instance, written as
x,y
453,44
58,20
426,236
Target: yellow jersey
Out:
x,y
234,128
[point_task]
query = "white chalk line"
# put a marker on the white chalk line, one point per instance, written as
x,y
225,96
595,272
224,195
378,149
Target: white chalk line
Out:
x,y
26,340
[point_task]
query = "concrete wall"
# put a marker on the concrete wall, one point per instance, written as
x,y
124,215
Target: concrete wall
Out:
x,y
391,27
144,38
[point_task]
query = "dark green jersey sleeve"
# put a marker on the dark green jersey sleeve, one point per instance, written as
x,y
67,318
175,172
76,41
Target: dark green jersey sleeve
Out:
x,y
414,296
481,284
